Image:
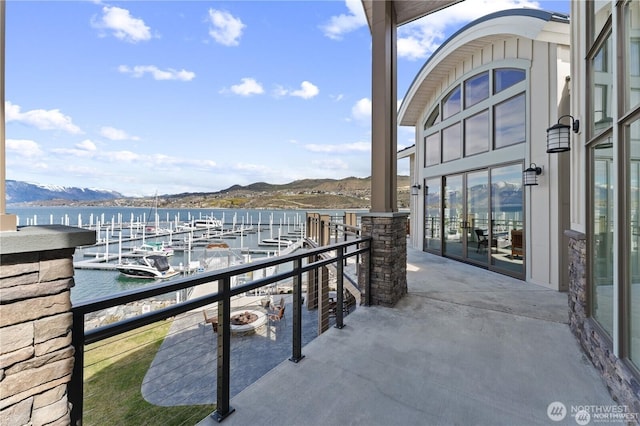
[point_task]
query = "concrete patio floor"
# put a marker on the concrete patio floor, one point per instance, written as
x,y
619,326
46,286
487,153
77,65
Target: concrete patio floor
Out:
x,y
465,346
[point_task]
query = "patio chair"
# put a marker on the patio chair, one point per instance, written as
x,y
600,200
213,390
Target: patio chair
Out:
x,y
516,243
482,240
211,320
278,316
274,308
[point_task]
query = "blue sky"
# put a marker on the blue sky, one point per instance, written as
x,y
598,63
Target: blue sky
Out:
x,y
146,97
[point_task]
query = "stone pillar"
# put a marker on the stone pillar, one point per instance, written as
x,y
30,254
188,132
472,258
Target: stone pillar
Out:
x,y
577,282
36,356
388,259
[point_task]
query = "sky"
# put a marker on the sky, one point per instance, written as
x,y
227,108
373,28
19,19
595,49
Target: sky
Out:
x,y
165,97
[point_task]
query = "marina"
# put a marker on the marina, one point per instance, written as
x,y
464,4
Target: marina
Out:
x,y
230,237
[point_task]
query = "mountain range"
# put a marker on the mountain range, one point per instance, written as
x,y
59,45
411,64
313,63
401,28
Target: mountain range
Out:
x,y
25,192
351,192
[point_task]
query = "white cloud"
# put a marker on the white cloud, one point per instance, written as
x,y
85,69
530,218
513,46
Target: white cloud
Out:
x,y
225,28
157,74
280,91
158,161
42,119
253,168
24,148
122,156
248,87
84,149
342,24
331,164
87,145
340,149
361,111
419,39
116,134
122,25
307,90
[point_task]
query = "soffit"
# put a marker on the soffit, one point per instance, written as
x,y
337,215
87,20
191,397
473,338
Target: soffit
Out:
x,y
410,10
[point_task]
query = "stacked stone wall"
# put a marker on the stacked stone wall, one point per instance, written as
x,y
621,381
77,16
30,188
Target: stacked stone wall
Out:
x,y
617,375
36,355
388,275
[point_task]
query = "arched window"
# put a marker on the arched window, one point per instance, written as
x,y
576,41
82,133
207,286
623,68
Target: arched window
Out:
x,y
503,78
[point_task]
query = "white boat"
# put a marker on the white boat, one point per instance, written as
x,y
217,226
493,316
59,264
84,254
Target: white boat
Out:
x,y
153,248
207,222
153,267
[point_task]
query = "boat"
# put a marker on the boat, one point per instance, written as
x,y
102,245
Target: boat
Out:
x,y
207,222
157,248
153,267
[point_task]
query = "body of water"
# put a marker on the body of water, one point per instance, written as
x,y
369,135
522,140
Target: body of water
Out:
x,y
116,221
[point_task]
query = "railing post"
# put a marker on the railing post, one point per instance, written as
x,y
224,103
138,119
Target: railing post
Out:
x,y
297,313
76,385
223,409
340,289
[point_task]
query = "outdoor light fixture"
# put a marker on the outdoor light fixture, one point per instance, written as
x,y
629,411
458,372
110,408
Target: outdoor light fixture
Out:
x,y
415,189
530,175
558,135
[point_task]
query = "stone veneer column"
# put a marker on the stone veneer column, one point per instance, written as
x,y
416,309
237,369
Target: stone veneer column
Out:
x,y
36,356
620,381
388,261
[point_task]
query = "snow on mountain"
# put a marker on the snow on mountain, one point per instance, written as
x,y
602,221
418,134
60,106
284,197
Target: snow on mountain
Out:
x,y
25,192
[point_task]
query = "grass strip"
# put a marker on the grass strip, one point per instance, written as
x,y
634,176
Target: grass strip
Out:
x,y
113,374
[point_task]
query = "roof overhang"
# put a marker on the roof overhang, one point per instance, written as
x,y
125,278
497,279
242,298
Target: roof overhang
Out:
x,y
407,152
410,10
529,23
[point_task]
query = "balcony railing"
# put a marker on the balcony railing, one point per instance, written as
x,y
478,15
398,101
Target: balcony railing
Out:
x,y
304,261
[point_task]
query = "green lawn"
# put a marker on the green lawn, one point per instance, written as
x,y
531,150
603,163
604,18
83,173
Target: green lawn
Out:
x,y
113,374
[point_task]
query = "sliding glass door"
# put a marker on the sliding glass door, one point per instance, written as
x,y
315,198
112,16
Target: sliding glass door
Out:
x,y
466,216
478,217
507,220
453,216
432,220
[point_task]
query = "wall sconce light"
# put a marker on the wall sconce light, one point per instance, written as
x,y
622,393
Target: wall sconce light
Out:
x,y
530,175
558,135
415,189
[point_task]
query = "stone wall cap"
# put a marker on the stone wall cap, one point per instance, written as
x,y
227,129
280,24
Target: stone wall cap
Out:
x,y
43,238
386,214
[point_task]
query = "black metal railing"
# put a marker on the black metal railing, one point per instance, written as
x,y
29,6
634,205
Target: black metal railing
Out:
x,y
302,261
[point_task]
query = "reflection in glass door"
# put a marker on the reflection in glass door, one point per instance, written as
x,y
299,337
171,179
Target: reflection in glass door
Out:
x,y
466,216
477,217
507,224
432,238
453,216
